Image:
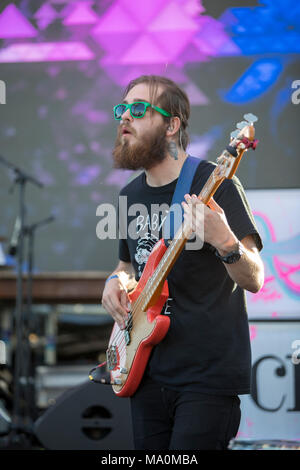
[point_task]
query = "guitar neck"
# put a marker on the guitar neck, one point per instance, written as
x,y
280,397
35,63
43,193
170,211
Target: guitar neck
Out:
x,y
226,168
155,282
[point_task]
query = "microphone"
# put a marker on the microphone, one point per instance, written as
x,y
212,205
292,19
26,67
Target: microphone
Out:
x,y
12,249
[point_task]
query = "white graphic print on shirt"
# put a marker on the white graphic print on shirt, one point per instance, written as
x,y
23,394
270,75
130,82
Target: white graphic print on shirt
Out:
x,y
143,250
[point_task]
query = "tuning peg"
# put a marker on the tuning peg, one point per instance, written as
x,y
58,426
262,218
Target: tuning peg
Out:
x,y
250,117
234,134
242,124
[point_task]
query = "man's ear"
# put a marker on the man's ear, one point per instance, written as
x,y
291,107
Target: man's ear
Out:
x,y
174,126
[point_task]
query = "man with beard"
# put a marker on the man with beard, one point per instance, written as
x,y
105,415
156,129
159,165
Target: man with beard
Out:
x,y
188,397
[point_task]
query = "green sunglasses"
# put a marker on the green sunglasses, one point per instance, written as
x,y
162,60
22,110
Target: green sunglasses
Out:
x,y
137,109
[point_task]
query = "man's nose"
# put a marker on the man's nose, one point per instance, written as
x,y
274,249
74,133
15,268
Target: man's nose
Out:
x,y
127,116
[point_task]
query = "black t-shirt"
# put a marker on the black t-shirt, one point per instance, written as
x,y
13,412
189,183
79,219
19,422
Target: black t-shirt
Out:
x,y
207,347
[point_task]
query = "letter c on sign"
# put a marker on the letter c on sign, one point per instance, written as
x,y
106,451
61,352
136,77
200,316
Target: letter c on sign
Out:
x,y
279,371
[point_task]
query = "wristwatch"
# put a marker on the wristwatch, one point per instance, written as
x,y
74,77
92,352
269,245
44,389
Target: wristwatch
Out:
x,y
233,256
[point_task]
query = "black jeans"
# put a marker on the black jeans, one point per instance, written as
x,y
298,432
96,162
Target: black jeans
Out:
x,y
167,419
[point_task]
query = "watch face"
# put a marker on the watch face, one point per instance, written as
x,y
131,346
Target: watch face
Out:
x,y
233,258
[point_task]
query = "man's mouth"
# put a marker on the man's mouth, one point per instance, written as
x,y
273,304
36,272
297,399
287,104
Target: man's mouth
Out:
x,y
125,131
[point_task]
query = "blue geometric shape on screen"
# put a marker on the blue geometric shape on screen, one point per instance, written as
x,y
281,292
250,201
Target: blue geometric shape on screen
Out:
x,y
273,26
281,43
256,81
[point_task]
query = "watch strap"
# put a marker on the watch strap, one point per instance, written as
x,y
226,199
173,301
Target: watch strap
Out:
x,y
233,256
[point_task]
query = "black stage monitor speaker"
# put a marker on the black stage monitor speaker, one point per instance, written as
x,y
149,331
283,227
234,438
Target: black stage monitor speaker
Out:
x,y
87,417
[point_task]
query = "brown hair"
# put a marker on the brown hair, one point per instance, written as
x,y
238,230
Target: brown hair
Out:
x,y
172,99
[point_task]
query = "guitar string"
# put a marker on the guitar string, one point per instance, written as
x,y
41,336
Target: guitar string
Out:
x,y
142,297
122,344
120,335
137,304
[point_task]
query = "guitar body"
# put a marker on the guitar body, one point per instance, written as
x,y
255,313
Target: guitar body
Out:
x,y
131,348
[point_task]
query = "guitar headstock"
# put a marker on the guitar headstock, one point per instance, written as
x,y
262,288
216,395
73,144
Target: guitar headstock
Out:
x,y
242,138
245,128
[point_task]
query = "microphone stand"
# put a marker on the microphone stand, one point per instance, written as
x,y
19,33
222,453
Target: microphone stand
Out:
x,y
29,231
20,179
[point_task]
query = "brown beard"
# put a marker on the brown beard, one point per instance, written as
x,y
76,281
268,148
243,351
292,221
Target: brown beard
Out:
x,y
150,150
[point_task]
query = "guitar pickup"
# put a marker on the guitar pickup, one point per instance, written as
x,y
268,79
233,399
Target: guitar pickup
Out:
x,y
112,357
128,328
128,322
127,337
